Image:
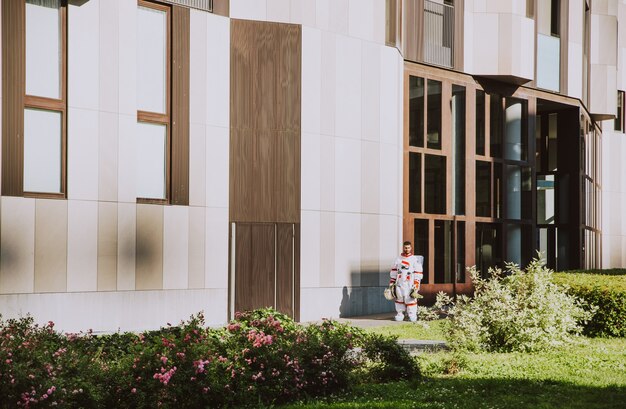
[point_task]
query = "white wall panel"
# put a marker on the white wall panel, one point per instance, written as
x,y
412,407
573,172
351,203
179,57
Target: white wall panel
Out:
x,y
198,66
127,67
83,55
216,264
279,11
82,245
108,128
310,249
197,165
109,311
109,56
370,91
311,79
347,249
218,70
127,158
348,178
348,88
248,9
310,190
82,154
217,166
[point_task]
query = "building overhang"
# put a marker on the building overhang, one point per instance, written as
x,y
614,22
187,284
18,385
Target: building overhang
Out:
x,y
509,79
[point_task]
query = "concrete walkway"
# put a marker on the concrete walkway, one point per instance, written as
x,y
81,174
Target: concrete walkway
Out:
x,y
386,319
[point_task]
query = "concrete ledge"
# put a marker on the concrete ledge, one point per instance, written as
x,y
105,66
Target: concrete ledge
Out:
x,y
416,346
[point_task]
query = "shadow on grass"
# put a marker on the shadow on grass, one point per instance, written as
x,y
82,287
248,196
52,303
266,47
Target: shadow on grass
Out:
x,y
474,393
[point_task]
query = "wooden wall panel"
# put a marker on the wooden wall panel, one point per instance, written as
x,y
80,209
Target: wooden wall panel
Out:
x,y
180,106
459,36
284,268
13,88
255,266
265,122
221,7
412,37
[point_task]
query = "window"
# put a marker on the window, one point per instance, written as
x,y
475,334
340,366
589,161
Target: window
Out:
x,y
480,122
415,182
433,118
619,119
153,101
45,105
435,184
416,111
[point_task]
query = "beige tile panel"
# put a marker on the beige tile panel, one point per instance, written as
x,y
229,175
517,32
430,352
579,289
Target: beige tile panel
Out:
x,y
327,86
311,79
107,246
338,20
389,240
50,245
197,165
17,245
197,227
149,249
127,66
370,263
348,178
82,245
126,245
310,172
248,9
327,173
175,247
347,249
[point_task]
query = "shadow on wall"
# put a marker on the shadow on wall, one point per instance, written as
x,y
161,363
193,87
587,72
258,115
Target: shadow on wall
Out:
x,y
365,294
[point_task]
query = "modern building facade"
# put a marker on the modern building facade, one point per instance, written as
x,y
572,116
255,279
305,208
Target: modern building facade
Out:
x,y
160,158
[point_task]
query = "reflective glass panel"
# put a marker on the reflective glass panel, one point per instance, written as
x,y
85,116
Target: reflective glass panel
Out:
x,y
151,60
42,151
433,117
43,48
151,140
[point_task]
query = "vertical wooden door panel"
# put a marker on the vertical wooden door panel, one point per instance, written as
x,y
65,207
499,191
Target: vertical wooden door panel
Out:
x,y
284,268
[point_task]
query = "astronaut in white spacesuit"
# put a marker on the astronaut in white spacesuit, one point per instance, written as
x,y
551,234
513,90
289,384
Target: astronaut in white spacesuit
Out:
x,y
405,277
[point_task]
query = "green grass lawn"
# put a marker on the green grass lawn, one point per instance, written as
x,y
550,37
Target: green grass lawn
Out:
x,y
590,374
433,330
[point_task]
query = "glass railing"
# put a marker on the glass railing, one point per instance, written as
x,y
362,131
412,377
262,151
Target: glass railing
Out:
x,y
438,33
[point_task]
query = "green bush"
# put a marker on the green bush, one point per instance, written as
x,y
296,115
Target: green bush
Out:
x,y
520,310
260,358
603,289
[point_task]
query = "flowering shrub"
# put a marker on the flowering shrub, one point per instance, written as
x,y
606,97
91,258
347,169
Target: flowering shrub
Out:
x,y
262,357
520,311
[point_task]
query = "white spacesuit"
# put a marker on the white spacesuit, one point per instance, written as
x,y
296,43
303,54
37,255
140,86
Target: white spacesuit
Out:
x,y
406,275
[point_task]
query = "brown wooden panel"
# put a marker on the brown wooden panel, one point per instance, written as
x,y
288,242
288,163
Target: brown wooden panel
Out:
x,y
241,172
412,36
296,272
286,177
285,268
180,107
13,88
459,37
254,266
265,121
221,7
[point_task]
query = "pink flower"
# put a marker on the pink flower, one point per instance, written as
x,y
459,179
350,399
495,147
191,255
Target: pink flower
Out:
x,y
164,360
134,390
233,327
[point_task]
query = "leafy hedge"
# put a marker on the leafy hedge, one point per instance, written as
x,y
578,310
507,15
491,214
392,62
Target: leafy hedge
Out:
x,y
262,357
605,289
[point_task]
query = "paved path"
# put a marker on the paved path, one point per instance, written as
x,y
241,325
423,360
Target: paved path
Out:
x,y
386,319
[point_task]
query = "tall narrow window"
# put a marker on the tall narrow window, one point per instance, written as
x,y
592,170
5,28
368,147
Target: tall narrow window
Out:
x,y
548,61
433,115
45,104
480,122
415,182
153,102
458,147
416,111
435,184
495,126
483,189
619,119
